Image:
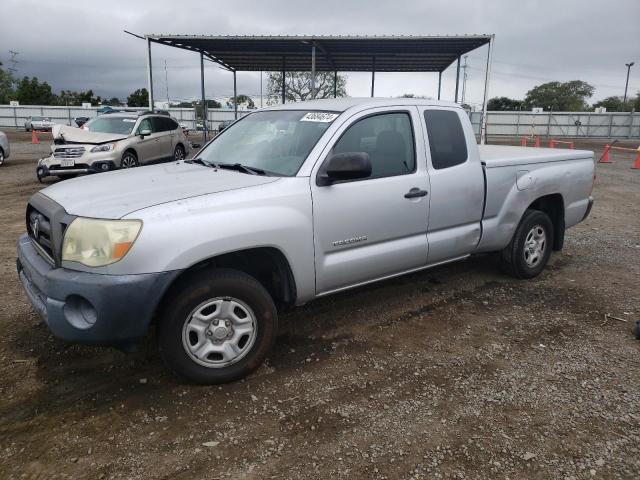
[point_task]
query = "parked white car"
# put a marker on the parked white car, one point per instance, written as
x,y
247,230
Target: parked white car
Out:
x,y
4,148
38,123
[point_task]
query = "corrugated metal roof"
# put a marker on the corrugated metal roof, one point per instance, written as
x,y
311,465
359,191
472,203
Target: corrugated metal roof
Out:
x,y
350,53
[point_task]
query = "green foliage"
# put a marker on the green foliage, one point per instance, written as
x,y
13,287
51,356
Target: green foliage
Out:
x,y
240,99
71,98
560,96
31,92
113,101
502,104
139,98
636,103
6,86
298,86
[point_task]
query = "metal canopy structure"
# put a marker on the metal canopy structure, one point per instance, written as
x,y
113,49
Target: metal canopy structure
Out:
x,y
328,54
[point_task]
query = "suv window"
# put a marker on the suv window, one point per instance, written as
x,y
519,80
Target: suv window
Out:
x,y
164,124
145,124
387,138
447,142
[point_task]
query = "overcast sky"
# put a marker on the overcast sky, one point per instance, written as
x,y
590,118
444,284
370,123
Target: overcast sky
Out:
x,y
80,45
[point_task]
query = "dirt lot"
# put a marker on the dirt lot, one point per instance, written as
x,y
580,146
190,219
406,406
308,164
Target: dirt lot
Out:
x,y
457,372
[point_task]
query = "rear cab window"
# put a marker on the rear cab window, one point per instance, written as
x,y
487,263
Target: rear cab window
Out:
x,y
447,141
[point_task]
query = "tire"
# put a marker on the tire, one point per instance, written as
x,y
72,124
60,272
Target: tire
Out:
x,y
178,153
531,245
196,325
129,160
1,157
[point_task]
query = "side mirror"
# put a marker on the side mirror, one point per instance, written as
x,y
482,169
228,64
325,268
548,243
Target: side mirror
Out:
x,y
144,133
344,166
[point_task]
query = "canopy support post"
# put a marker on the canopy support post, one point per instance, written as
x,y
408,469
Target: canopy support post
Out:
x,y
313,72
283,73
235,97
439,83
373,77
483,123
335,84
205,125
149,74
457,78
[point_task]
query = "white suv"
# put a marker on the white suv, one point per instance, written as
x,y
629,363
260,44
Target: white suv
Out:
x,y
115,140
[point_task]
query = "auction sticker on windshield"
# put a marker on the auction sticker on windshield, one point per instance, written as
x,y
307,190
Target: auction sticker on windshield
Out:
x,y
324,117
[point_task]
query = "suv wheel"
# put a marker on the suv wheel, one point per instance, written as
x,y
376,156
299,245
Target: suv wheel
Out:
x,y
178,153
218,326
129,160
530,248
1,156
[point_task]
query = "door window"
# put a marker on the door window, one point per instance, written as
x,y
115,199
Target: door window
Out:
x,y
164,124
145,124
447,141
387,138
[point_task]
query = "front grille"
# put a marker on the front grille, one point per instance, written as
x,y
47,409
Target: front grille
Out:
x,y
68,152
39,228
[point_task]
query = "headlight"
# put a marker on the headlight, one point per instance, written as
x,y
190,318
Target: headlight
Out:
x,y
96,243
107,147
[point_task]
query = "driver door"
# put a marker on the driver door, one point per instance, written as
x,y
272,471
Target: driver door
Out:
x,y
369,229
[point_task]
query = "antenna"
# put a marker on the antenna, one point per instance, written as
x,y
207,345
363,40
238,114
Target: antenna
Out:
x,y
14,63
464,78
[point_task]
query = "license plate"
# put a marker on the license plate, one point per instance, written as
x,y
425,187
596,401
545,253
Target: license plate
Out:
x,y
67,162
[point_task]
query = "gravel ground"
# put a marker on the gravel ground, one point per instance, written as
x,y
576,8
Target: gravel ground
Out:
x,y
456,372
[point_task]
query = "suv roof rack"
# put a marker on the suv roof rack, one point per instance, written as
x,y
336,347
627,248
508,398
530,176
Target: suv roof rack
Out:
x,y
153,112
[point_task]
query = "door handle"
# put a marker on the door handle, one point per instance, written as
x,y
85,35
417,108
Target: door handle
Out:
x,y
415,193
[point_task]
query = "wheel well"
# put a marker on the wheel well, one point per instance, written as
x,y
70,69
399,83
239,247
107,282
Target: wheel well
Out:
x,y
267,265
553,205
180,144
130,150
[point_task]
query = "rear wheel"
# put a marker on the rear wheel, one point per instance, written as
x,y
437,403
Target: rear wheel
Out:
x,y
178,153
530,248
129,160
218,326
1,156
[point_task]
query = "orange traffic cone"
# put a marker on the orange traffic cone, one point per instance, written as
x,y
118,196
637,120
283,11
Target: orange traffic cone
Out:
x,y
523,141
636,164
34,137
605,155
552,143
537,144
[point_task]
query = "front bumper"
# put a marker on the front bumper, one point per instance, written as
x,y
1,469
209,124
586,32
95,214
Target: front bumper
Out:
x,y
90,308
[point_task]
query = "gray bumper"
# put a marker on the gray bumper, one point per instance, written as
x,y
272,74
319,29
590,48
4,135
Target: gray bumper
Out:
x,y
90,308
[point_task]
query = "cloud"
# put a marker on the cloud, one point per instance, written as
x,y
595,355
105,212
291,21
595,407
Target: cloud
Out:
x,y
81,45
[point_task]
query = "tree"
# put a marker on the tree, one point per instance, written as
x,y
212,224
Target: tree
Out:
x,y
612,104
503,104
31,92
6,86
298,86
560,96
241,99
71,98
113,101
636,103
139,98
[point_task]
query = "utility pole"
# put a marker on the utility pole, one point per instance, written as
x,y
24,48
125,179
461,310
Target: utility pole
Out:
x,y
464,78
628,65
166,81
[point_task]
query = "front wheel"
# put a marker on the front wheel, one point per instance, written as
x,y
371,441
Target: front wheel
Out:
x,y
530,248
217,326
1,157
129,160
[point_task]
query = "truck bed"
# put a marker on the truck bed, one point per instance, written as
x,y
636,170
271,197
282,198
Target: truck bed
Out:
x,y
505,156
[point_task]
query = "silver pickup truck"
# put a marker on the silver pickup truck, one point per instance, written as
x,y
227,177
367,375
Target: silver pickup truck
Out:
x,y
288,204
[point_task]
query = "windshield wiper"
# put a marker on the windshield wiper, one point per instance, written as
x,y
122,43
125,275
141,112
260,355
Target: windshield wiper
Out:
x,y
199,161
241,168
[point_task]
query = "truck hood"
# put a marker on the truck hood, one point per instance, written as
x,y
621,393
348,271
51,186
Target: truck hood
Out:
x,y
118,193
78,135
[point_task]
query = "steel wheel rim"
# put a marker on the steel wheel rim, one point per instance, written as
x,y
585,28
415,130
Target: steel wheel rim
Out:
x,y
219,332
535,244
128,161
179,154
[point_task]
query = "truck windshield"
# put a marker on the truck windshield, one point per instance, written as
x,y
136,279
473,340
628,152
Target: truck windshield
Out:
x,y
277,142
121,125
